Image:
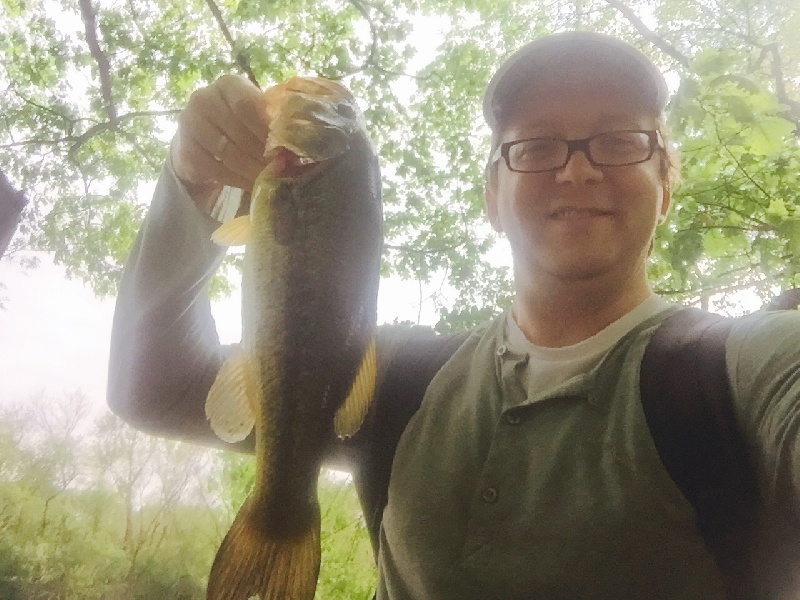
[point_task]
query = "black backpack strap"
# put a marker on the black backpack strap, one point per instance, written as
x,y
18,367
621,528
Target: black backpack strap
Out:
x,y
412,368
686,397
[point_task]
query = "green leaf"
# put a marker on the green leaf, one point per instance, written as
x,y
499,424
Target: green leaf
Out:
x,y
710,60
777,208
715,244
791,231
768,135
739,108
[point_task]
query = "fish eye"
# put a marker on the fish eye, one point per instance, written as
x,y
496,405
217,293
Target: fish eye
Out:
x,y
346,110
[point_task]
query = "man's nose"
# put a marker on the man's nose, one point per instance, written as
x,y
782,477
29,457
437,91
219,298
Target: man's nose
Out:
x,y
579,170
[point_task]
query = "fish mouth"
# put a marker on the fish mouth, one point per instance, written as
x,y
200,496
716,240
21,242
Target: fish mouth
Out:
x,y
285,164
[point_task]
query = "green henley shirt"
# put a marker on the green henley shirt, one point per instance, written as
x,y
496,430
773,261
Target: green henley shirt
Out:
x,y
561,494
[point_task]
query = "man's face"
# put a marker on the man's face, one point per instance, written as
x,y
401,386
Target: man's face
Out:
x,y
581,221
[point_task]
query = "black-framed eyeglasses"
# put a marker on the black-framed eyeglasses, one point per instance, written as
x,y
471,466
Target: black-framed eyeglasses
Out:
x,y
609,149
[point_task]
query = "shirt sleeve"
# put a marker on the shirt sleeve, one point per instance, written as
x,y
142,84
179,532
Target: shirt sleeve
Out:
x,y
763,356
165,351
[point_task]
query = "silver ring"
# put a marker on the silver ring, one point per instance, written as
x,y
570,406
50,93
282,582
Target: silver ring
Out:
x,y
222,143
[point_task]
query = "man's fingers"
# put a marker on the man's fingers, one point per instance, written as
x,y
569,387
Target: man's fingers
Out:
x,y
209,116
237,132
237,165
231,167
196,165
215,148
246,103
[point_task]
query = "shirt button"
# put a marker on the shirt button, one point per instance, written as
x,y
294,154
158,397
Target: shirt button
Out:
x,y
593,401
501,350
512,419
489,495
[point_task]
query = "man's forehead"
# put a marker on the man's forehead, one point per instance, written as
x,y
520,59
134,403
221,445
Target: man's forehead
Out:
x,y
601,102
537,120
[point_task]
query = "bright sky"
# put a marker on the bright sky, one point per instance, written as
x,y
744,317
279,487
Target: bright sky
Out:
x,y
54,333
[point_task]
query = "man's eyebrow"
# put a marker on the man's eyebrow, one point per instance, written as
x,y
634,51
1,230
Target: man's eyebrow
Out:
x,y
604,120
617,119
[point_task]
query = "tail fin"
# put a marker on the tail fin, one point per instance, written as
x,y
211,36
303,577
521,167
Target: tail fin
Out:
x,y
249,564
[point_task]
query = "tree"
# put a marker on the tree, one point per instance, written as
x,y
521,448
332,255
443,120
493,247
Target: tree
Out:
x,y
138,517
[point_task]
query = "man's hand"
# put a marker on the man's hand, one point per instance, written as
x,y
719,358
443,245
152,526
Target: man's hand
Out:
x,y
220,139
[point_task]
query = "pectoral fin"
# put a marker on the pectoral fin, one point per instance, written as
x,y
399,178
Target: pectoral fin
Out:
x,y
230,404
350,415
235,232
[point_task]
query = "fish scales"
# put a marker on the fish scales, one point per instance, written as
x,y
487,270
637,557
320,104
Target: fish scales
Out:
x,y
318,271
310,281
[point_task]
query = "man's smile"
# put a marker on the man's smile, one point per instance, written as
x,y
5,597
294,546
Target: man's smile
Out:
x,y
566,213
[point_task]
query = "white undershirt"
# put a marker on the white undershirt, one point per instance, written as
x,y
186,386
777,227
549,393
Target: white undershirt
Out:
x,y
549,367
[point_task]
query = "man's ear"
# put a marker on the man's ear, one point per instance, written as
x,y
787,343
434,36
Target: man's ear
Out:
x,y
490,200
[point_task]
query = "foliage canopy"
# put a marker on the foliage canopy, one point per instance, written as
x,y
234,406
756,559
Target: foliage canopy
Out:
x,y
90,93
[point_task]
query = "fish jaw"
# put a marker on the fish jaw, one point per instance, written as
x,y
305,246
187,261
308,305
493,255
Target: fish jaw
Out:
x,y
312,117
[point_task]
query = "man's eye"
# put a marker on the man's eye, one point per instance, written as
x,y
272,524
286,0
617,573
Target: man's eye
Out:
x,y
537,147
618,140
621,141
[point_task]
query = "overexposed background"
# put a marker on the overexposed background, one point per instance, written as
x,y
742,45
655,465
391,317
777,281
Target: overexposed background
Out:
x,y
54,332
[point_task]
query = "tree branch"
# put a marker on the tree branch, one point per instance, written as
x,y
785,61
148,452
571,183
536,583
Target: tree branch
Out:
x,y
737,162
373,32
648,34
89,17
12,201
720,288
780,87
793,112
239,55
77,141
98,128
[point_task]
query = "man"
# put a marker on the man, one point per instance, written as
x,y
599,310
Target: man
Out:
x,y
528,471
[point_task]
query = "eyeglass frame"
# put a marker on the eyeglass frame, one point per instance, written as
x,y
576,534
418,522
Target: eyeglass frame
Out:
x,y
655,141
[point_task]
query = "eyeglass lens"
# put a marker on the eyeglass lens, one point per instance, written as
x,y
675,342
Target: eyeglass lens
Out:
x,y
605,149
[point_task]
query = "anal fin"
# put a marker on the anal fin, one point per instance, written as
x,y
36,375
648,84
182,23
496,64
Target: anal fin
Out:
x,y
351,413
230,404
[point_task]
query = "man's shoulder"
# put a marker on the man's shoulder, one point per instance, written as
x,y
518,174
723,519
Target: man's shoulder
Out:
x,y
764,324
413,351
395,337
765,340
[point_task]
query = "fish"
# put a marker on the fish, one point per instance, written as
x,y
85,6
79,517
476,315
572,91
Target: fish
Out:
x,y
305,371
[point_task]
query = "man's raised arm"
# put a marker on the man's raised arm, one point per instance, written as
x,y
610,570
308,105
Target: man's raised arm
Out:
x,y
165,351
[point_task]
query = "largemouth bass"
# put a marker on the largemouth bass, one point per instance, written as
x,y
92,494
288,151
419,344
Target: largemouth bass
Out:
x,y
306,368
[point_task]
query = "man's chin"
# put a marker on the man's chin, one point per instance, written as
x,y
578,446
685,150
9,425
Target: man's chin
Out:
x,y
578,267
581,273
